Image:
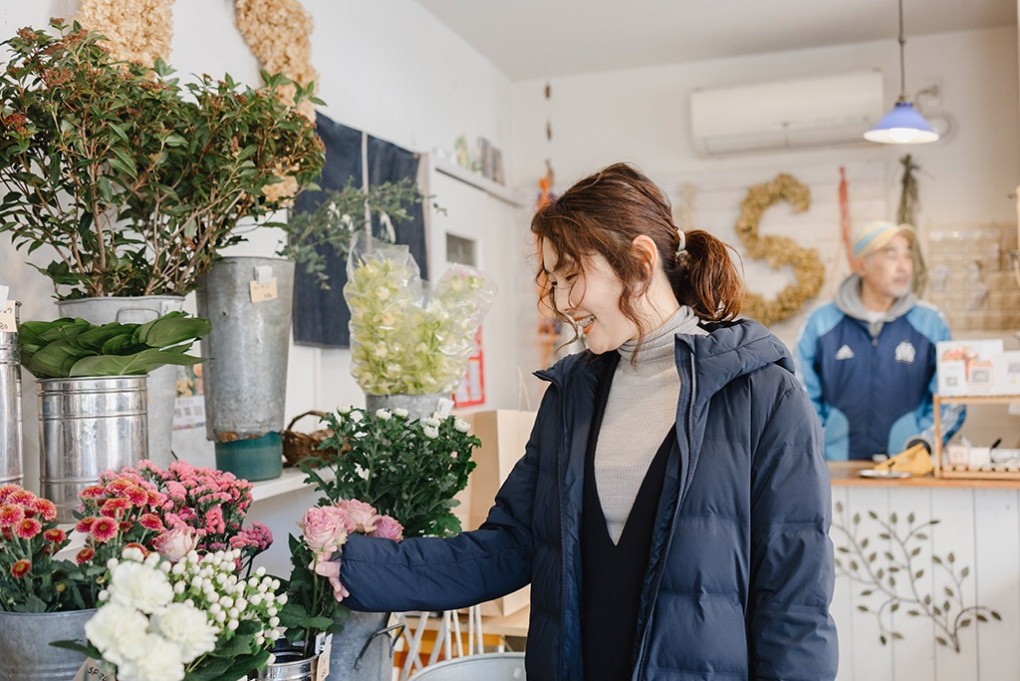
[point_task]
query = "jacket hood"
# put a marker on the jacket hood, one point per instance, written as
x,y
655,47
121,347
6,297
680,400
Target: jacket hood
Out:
x,y
729,350
848,300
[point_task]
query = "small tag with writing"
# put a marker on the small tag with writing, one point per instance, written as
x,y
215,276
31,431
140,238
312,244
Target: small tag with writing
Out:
x,y
323,644
90,671
8,323
263,291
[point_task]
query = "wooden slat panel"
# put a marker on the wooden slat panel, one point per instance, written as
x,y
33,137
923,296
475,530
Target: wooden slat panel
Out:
x,y
997,556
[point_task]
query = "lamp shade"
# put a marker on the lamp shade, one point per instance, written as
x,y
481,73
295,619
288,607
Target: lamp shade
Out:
x,y
902,125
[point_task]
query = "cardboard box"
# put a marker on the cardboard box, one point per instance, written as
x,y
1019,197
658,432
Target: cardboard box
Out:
x,y
504,434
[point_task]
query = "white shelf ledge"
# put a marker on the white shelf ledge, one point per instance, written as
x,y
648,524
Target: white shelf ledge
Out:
x,y
480,181
292,480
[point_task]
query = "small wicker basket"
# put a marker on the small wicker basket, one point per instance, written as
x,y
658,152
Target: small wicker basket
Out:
x,y
299,446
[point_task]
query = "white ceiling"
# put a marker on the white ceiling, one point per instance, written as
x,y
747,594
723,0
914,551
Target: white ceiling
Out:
x,y
545,38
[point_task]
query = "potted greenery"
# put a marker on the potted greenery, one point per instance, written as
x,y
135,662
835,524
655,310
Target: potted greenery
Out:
x,y
404,467
92,393
134,180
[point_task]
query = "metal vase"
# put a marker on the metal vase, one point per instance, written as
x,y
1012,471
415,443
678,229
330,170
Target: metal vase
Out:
x,y
25,650
363,650
245,373
289,665
162,385
11,460
88,425
417,406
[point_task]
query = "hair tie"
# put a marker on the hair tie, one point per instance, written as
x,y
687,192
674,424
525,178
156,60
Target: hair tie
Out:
x,y
681,242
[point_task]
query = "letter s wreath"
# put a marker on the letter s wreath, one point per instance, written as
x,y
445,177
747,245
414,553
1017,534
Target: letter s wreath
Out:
x,y
807,266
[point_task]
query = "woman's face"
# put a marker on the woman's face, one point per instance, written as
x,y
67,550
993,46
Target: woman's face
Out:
x,y
591,298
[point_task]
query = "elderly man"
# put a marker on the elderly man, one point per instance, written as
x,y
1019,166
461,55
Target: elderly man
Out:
x,y
867,359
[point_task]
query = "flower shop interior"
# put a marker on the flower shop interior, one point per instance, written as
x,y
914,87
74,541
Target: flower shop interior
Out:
x,y
489,109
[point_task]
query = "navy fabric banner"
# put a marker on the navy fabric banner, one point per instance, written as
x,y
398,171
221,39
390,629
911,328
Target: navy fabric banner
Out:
x,y
321,315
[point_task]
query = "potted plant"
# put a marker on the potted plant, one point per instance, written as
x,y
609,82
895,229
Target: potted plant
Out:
x,y
93,393
406,468
134,180
47,598
195,619
313,612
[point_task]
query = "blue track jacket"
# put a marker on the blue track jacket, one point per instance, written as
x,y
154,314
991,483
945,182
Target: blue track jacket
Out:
x,y
740,573
872,382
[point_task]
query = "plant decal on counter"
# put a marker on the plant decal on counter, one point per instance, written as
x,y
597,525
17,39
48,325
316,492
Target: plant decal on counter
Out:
x,y
893,577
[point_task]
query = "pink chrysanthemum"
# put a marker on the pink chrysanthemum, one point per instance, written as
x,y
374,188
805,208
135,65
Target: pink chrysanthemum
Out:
x,y
6,491
138,496
11,515
85,555
85,525
104,529
46,509
115,508
92,492
20,568
21,497
54,535
151,521
28,528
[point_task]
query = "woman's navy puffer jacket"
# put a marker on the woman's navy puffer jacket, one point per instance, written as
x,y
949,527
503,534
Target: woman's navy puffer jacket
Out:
x,y
741,570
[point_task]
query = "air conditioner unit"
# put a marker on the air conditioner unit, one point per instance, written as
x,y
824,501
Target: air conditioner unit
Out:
x,y
802,112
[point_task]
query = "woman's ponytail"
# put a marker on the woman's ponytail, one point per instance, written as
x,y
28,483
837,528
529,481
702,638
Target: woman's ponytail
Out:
x,y
705,278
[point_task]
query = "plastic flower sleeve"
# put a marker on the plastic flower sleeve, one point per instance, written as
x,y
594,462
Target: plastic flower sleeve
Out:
x,y
401,342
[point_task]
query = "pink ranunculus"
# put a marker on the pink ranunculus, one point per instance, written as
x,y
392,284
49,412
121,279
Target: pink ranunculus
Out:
x,y
362,514
388,528
325,529
175,544
330,569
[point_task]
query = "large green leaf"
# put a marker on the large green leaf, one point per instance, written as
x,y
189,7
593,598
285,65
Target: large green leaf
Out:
x,y
171,329
131,365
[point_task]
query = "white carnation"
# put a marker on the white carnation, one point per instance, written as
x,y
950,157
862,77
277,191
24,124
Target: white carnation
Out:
x,y
118,632
401,412
430,433
189,628
161,662
462,425
382,414
140,586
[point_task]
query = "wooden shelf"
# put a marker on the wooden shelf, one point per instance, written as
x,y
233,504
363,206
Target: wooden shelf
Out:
x,y
846,474
949,474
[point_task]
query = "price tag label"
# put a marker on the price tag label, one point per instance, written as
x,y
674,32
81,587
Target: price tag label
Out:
x,y
90,671
8,324
323,644
263,291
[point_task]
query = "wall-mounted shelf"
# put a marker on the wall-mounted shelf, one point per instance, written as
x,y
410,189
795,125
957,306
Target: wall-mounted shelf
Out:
x,y
481,182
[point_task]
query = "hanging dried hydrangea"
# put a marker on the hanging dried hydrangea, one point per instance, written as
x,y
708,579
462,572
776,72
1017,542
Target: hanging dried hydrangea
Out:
x,y
279,34
135,30
808,270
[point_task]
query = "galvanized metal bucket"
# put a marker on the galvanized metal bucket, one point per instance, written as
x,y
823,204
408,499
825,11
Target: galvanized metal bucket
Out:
x,y
25,650
86,426
11,460
162,385
289,665
245,373
363,649
417,406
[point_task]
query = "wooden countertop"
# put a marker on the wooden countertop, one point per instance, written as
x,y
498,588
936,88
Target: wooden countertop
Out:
x,y
845,474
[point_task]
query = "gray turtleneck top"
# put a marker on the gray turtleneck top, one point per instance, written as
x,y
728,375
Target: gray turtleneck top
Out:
x,y
639,413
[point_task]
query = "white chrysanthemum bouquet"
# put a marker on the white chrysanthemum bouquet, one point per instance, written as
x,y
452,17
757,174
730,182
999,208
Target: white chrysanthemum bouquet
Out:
x,y
193,620
404,340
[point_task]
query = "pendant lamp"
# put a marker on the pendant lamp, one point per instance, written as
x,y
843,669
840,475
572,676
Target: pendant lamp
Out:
x,y
904,124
